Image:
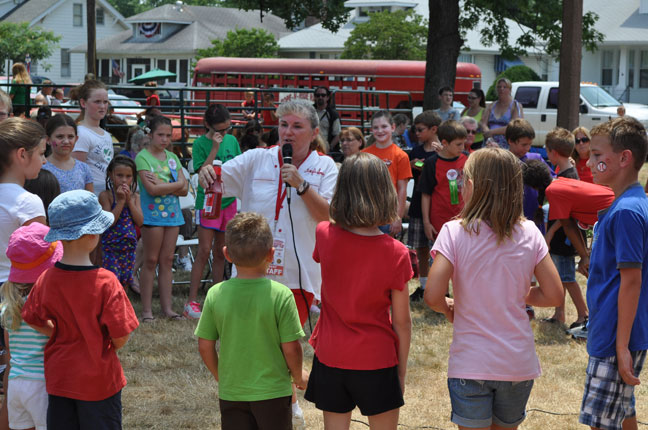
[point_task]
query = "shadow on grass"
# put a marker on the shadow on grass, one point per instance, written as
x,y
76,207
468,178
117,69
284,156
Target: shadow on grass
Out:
x,y
550,333
423,315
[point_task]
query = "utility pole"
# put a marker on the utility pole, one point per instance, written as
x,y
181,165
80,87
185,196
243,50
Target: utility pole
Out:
x,y
92,37
570,64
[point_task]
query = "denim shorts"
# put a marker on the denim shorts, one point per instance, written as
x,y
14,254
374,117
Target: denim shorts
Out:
x,y
478,404
566,265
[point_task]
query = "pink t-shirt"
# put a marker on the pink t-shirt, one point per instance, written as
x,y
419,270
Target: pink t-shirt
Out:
x,y
492,337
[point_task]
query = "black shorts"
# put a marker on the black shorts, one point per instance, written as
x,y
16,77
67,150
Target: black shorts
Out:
x,y
272,414
64,413
341,390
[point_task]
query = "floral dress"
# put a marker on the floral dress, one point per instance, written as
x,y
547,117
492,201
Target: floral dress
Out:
x,y
118,244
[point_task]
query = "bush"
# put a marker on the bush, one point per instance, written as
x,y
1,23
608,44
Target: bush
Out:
x,y
514,74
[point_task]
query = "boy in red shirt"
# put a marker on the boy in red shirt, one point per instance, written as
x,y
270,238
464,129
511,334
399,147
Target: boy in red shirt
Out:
x,y
86,313
442,179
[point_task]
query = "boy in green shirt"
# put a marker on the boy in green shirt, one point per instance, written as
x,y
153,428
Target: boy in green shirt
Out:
x,y
257,323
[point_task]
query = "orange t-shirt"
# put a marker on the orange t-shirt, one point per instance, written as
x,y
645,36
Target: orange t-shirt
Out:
x,y
395,159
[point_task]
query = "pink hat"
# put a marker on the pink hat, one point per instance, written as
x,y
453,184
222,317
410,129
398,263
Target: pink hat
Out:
x,y
30,255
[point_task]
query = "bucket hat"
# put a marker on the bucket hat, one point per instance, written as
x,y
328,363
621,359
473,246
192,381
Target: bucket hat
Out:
x,y
30,254
76,213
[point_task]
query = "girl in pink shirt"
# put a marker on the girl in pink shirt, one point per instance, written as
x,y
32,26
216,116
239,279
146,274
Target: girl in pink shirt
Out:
x,y
491,253
360,346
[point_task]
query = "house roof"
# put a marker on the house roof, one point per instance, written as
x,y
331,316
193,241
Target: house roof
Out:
x,y
206,23
619,21
33,11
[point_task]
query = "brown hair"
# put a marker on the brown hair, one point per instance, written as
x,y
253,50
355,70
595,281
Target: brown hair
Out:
x,y
364,193
560,140
451,130
519,128
84,91
625,133
428,118
20,75
16,133
496,176
353,133
248,239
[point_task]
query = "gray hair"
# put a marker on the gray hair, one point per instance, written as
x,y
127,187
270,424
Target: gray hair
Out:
x,y
468,120
299,107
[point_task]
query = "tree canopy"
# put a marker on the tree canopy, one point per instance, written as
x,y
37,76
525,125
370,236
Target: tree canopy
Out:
x,y
17,40
252,43
399,35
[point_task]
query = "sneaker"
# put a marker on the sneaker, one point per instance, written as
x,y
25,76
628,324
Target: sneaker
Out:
x,y
578,332
185,263
417,295
192,310
298,421
578,324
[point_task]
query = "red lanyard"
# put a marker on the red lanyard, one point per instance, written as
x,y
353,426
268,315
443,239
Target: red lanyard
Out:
x,y
280,196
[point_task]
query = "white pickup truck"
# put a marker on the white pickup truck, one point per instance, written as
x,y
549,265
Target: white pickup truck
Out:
x,y
540,102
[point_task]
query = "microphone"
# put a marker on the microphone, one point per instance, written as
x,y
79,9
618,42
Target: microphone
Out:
x,y
286,154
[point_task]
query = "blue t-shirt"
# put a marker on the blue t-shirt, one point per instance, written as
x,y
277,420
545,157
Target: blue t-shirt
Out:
x,y
74,179
620,241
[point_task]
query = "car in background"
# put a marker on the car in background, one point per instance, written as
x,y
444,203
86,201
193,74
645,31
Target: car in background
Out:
x,y
169,94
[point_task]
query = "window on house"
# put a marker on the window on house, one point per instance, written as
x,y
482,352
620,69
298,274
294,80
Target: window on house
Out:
x,y
643,70
631,64
184,71
99,16
77,15
465,58
607,68
65,63
161,64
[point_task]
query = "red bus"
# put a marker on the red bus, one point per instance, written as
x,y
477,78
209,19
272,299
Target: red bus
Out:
x,y
381,75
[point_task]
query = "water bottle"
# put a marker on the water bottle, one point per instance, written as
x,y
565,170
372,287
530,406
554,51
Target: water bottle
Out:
x,y
214,194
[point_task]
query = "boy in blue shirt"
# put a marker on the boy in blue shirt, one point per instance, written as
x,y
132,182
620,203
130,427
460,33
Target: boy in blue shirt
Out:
x,y
617,288
258,326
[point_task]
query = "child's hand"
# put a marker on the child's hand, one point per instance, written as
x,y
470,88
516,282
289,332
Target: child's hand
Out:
x,y
436,146
430,232
152,177
450,312
303,382
120,195
126,190
624,363
217,138
583,266
414,162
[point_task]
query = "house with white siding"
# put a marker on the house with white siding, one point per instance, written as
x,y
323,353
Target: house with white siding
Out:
x,y
68,19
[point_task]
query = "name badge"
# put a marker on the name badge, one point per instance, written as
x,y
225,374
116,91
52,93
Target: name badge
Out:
x,y
276,268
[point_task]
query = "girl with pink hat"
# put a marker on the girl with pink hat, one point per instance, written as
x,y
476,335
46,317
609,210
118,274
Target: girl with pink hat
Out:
x,y
30,255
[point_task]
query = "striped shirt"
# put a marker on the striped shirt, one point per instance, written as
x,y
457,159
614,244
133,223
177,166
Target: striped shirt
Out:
x,y
27,347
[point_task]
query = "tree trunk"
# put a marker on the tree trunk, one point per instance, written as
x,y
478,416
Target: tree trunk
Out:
x,y
92,37
570,64
443,47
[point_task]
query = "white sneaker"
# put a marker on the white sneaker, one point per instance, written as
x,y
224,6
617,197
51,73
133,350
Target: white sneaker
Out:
x,y
192,310
185,263
298,421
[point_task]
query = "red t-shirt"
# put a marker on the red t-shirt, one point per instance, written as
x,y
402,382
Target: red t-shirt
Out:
x,y
435,181
395,159
88,307
267,118
584,172
571,198
354,330
153,100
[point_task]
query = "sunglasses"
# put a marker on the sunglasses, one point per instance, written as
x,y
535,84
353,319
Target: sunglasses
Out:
x,y
223,130
582,140
420,130
321,95
471,131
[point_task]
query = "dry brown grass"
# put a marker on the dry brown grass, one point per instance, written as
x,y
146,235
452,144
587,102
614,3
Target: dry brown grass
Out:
x,y
169,387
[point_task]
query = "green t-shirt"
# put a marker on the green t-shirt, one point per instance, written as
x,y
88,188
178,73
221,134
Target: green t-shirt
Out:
x,y
252,318
228,149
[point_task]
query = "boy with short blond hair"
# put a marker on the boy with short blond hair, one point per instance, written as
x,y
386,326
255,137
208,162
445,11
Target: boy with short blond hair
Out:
x,y
258,326
617,288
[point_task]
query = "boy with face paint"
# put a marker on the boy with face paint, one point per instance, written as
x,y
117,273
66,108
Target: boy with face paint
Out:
x,y
617,288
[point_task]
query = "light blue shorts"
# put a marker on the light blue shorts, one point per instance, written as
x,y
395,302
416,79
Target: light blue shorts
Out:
x,y
477,404
566,265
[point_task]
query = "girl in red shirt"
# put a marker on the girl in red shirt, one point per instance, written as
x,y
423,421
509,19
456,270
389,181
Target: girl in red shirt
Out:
x,y
361,348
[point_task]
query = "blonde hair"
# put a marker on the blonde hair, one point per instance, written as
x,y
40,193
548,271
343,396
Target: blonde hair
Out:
x,y
354,133
320,145
506,82
16,133
13,295
496,176
20,75
248,239
364,194
560,140
581,130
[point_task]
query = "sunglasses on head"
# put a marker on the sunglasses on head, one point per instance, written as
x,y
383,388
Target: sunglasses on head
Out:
x,y
582,140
